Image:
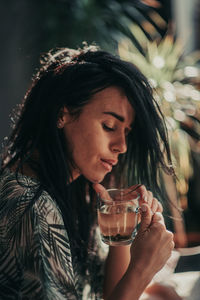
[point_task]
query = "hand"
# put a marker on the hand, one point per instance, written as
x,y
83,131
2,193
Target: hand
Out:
x,y
162,292
153,244
150,250
146,196
100,189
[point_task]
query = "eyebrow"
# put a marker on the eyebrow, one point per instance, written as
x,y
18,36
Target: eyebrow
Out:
x,y
118,117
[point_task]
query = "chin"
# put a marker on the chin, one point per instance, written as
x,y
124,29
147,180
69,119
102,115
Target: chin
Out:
x,y
95,179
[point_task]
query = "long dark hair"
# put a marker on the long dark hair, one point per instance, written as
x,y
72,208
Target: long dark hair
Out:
x,y
70,78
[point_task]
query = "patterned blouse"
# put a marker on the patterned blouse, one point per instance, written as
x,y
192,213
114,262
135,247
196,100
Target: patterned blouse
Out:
x,y
35,257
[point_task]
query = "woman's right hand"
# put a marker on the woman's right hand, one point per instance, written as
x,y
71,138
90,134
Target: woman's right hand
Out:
x,y
152,246
150,250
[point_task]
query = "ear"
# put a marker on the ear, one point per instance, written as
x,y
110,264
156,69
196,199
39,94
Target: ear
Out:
x,y
63,117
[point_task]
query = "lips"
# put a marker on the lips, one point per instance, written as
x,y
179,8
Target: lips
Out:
x,y
108,163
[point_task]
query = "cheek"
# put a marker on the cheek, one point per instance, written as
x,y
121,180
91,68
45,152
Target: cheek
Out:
x,y
90,149
88,145
86,142
91,138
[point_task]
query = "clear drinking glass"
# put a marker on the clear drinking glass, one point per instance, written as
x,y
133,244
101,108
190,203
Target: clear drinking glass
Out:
x,y
118,212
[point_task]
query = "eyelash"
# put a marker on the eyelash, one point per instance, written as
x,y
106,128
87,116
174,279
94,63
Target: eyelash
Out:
x,y
107,128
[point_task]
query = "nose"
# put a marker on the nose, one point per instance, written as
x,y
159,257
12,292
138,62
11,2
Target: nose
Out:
x,y
119,145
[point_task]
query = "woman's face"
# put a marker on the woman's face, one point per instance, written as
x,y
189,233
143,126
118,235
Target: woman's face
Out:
x,y
99,134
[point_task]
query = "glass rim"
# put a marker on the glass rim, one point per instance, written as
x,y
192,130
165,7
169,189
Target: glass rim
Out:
x,y
119,201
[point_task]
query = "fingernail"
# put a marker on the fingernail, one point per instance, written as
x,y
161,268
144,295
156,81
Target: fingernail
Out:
x,y
158,216
143,208
145,199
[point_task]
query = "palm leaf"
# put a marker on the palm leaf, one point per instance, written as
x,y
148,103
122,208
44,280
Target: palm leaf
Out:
x,y
162,63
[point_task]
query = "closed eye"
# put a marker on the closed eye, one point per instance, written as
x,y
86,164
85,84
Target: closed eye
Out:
x,y
107,128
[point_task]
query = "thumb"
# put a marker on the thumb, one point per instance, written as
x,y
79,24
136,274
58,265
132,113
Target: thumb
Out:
x,y
146,217
100,189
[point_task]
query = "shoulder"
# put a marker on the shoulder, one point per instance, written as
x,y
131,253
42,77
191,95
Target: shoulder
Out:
x,y
15,193
33,238
28,211
23,196
14,186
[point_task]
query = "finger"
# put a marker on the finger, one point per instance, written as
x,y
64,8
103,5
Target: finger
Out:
x,y
171,240
149,198
172,245
129,194
146,217
171,235
158,218
141,189
134,187
160,207
100,189
156,206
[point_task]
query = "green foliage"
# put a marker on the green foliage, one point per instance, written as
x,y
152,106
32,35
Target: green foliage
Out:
x,y
172,77
69,23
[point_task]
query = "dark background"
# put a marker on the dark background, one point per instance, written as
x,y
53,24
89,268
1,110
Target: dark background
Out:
x,y
32,27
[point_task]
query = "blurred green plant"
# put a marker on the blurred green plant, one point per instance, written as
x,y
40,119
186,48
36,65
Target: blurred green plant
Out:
x,y
105,22
174,78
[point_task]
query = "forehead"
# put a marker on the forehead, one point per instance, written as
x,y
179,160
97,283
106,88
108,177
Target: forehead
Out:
x,y
112,99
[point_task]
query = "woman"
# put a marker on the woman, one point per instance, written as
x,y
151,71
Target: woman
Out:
x,y
88,117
